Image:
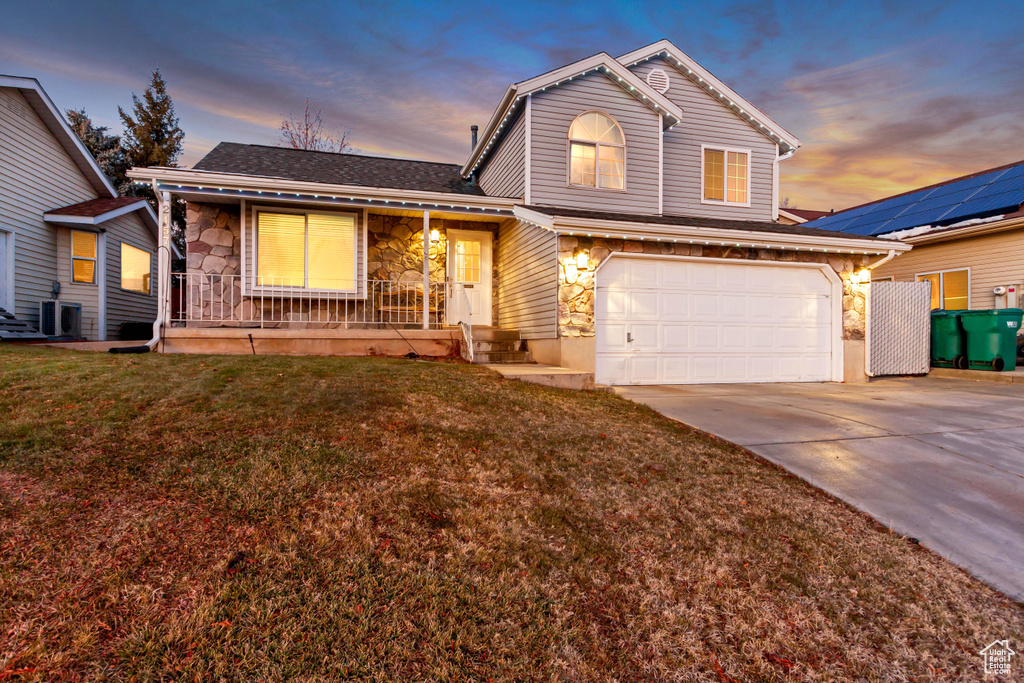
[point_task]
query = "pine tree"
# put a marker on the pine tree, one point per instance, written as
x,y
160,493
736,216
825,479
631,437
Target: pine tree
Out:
x,y
152,137
106,149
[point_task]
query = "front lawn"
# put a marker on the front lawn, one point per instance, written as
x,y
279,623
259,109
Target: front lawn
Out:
x,y
241,518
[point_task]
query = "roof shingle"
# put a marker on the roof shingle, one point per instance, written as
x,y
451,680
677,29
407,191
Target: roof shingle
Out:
x,y
693,221
95,207
336,169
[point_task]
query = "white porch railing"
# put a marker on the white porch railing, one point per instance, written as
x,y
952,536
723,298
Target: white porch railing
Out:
x,y
202,299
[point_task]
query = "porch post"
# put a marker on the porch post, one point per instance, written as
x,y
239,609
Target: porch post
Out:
x,y
163,259
426,270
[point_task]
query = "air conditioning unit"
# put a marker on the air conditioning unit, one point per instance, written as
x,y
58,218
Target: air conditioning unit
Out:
x,y
60,319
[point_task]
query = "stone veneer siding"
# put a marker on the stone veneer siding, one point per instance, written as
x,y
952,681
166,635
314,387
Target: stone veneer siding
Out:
x,y
394,253
576,292
395,250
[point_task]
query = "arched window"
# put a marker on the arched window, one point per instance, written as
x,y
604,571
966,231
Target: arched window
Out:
x,y
597,152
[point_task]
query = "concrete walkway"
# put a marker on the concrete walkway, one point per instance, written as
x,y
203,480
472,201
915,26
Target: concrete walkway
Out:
x,y
941,460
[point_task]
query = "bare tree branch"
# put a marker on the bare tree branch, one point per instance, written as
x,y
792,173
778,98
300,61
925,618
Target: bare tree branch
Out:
x,y
310,132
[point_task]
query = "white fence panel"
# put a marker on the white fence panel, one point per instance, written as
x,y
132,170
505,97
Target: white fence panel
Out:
x,y
899,328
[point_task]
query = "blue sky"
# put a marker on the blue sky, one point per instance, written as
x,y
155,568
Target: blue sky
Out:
x,y
885,96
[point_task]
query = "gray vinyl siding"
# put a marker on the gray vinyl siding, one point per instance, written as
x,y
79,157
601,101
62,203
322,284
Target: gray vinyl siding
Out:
x,y
249,237
553,111
78,292
528,280
123,305
706,121
504,174
36,175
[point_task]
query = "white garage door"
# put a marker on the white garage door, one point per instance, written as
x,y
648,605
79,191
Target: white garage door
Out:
x,y
664,321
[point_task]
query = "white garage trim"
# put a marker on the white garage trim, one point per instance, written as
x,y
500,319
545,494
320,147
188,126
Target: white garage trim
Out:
x,y
836,294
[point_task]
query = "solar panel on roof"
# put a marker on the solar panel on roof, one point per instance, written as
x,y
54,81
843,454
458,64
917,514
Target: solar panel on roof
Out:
x,y
913,220
987,193
996,202
875,218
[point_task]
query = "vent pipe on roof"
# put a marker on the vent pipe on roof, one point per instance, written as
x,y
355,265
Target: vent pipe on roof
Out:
x,y
472,145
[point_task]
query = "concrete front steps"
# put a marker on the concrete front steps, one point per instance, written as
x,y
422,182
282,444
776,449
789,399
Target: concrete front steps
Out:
x,y
492,345
548,375
505,352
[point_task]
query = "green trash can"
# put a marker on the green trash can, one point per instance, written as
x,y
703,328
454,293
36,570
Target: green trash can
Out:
x,y
947,340
992,338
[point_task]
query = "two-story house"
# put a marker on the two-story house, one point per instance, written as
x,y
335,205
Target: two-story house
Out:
x,y
617,216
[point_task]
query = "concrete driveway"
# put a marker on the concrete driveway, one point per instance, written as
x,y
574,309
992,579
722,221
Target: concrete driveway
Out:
x,y
941,460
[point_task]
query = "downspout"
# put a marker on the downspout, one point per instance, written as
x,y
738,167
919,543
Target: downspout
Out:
x,y
163,276
889,257
158,324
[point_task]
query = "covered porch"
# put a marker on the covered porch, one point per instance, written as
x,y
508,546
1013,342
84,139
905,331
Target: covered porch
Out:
x,y
368,272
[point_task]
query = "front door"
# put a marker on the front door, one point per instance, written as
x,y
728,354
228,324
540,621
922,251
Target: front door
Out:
x,y
469,277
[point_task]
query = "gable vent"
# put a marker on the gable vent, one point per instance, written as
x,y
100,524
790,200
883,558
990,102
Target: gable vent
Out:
x,y
658,79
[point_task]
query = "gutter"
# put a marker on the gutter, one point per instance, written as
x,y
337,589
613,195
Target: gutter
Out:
x,y
272,189
667,232
967,231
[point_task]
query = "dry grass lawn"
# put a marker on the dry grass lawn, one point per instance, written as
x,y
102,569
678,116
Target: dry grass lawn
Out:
x,y
240,518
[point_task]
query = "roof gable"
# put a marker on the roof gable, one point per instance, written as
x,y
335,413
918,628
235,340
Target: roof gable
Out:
x,y
515,95
687,66
44,107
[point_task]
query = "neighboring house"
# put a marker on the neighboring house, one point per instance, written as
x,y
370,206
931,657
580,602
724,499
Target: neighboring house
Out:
x,y
617,216
64,227
967,233
789,216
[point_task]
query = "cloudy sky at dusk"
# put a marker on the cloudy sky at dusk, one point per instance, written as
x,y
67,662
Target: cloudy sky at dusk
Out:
x,y
885,96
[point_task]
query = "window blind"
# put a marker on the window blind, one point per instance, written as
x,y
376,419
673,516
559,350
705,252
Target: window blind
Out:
x,y
312,250
280,250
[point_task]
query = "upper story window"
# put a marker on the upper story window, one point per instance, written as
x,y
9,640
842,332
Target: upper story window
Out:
x,y
597,152
726,176
83,257
308,250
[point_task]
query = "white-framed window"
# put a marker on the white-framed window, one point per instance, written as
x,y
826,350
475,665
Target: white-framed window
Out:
x,y
83,257
725,175
951,289
305,249
597,152
136,269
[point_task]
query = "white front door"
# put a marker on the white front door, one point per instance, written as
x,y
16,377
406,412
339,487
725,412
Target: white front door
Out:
x,y
469,277
667,321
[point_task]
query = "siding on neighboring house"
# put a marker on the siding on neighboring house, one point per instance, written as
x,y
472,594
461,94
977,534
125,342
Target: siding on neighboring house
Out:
x,y
554,110
78,292
706,121
123,305
36,175
994,260
528,280
504,175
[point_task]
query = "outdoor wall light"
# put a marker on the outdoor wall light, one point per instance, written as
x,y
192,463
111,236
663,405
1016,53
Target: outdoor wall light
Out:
x,y
859,277
582,259
434,235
